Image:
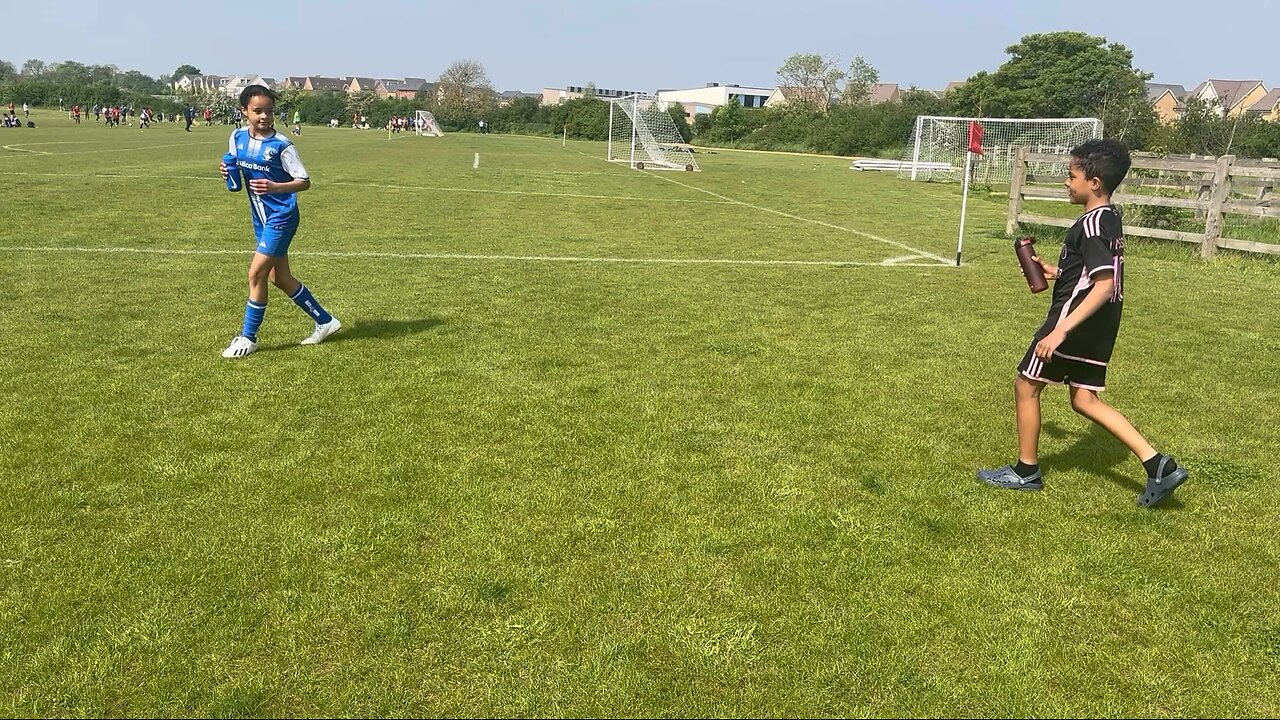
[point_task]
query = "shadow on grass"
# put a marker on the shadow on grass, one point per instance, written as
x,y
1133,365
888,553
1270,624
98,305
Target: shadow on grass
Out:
x,y
384,329
1095,451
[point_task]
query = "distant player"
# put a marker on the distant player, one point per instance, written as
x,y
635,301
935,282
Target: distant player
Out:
x,y
273,175
1074,345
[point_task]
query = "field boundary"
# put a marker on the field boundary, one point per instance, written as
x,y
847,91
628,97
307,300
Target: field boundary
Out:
x,y
903,261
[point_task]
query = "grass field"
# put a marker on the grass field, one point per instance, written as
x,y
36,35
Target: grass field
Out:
x,y
721,463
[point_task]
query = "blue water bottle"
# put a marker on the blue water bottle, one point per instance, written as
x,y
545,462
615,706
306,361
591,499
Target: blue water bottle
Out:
x,y
234,180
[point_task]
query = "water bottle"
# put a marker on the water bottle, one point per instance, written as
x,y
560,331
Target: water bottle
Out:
x,y
1032,269
234,179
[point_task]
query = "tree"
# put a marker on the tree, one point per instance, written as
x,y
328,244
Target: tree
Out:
x,y
818,78
33,68
1058,74
7,71
857,87
185,70
676,110
728,123
462,86
358,103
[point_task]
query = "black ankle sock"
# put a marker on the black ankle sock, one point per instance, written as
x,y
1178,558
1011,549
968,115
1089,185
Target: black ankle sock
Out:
x,y
1152,466
1024,470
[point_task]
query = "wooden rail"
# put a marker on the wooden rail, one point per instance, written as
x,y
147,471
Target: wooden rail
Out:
x,y
1213,182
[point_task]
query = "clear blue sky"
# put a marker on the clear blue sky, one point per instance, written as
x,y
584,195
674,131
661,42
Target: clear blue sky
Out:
x,y
628,44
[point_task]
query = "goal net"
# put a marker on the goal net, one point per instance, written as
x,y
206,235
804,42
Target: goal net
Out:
x,y
938,146
643,135
424,123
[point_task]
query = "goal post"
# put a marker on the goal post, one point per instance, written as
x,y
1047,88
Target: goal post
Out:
x,y
643,135
424,123
939,145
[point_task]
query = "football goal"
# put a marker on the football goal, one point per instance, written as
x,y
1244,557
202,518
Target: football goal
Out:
x,y
643,135
424,123
939,144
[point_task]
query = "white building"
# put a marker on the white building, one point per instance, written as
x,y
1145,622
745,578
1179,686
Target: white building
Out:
x,y
700,101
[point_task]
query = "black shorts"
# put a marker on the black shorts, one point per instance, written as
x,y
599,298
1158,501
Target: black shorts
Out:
x,y
1064,370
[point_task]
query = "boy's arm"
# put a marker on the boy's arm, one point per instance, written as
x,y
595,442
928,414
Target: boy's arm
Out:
x,y
1099,295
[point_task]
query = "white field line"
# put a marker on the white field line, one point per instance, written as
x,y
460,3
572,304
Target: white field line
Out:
x,y
427,188
916,251
459,256
16,147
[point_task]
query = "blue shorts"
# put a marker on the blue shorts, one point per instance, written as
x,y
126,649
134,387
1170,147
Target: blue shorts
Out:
x,y
273,239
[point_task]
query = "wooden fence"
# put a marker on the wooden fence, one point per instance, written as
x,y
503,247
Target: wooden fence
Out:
x,y
1222,186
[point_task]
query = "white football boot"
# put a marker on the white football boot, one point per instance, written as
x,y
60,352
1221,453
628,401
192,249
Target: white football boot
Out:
x,y
240,347
324,330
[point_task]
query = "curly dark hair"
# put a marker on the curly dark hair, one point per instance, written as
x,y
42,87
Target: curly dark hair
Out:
x,y
1106,160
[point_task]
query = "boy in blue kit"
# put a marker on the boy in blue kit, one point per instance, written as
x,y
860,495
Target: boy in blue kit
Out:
x,y
1074,345
273,176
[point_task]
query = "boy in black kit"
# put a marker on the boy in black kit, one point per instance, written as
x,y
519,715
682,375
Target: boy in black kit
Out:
x,y
1074,345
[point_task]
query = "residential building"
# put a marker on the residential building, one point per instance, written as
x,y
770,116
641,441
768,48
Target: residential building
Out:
x,y
292,82
1268,108
507,96
554,96
789,94
884,92
361,84
1167,100
700,101
316,83
198,83
233,85
1231,97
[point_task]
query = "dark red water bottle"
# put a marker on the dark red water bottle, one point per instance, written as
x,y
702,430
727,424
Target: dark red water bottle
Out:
x,y
1032,269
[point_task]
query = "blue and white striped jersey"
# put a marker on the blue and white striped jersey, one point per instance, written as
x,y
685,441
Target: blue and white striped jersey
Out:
x,y
275,159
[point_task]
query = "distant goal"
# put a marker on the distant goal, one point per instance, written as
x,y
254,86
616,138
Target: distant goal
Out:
x,y
424,123
938,146
643,135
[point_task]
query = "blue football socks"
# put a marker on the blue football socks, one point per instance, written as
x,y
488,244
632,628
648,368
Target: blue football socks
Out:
x,y
253,314
305,300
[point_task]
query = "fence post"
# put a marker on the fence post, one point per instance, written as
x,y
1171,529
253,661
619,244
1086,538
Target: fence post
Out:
x,y
1221,191
1016,183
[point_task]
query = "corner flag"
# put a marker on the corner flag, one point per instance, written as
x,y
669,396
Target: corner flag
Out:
x,y
975,137
975,148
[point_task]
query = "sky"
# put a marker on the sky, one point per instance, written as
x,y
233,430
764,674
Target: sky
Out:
x,y
632,45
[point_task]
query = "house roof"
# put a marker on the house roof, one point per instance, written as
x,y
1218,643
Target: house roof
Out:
x,y
513,94
326,83
793,93
1229,92
1267,103
394,85
952,86
1155,90
365,82
882,92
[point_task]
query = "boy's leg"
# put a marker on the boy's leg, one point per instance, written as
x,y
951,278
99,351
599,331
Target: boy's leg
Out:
x,y
1025,474
1163,473
1026,394
1087,403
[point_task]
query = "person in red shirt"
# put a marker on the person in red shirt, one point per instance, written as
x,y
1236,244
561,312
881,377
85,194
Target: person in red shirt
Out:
x,y
75,113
